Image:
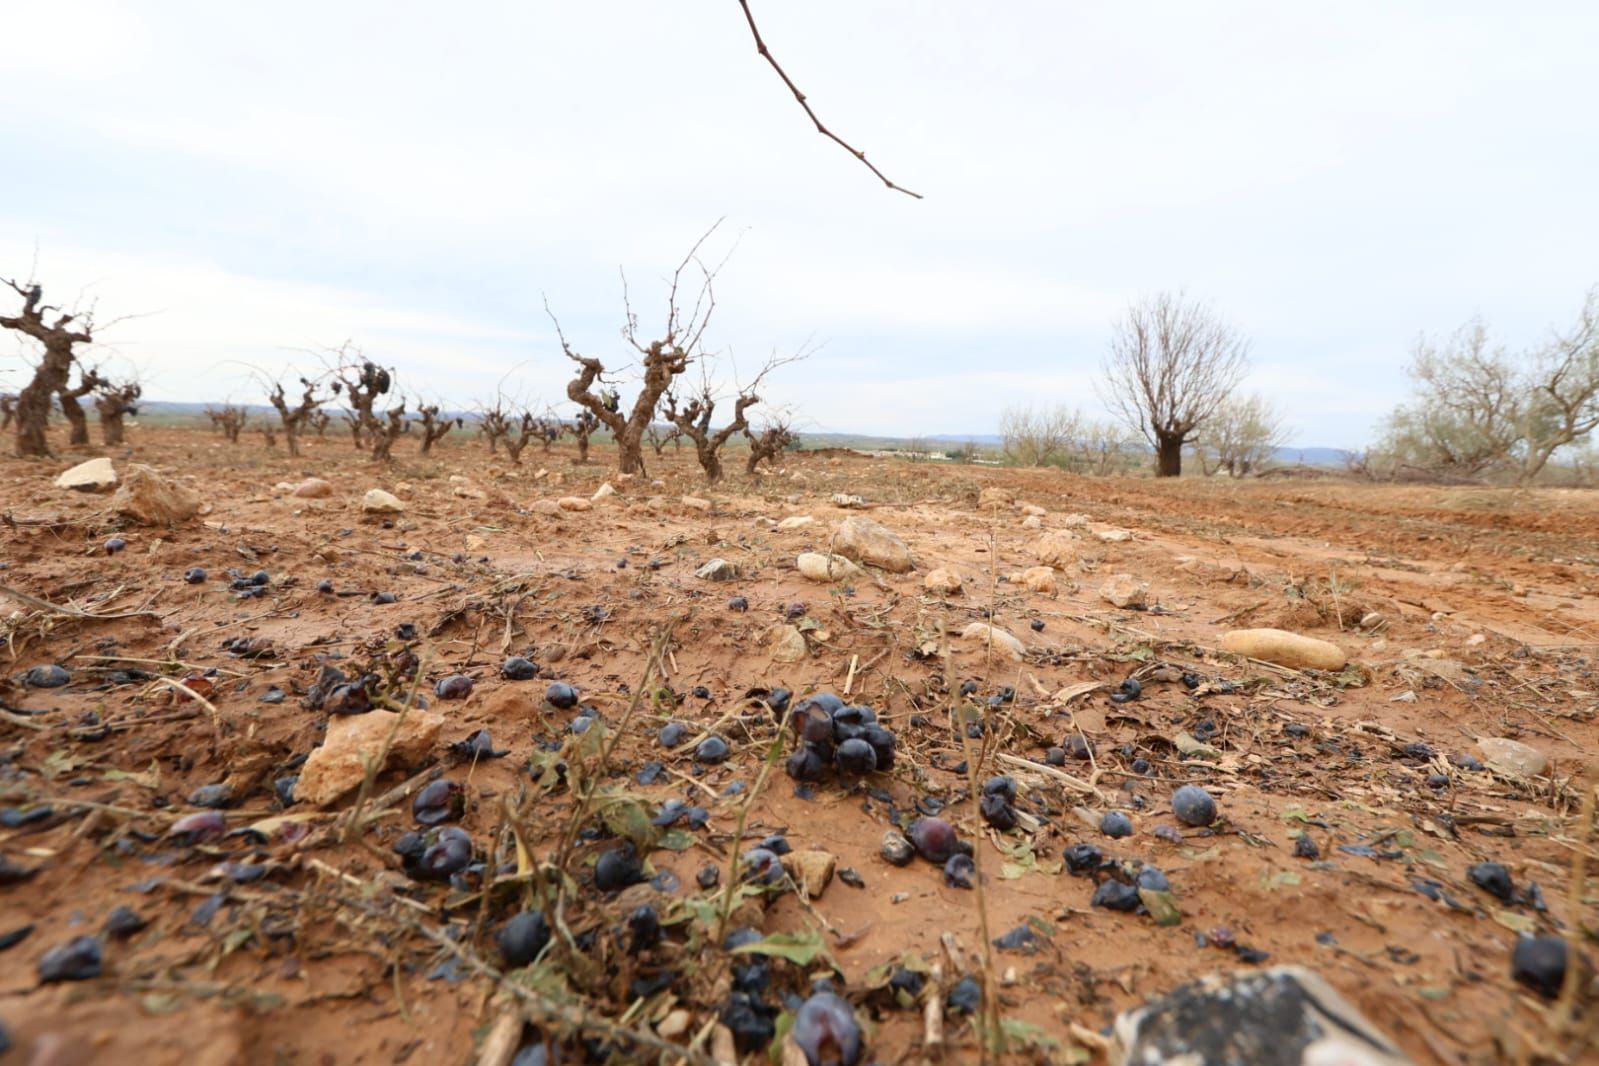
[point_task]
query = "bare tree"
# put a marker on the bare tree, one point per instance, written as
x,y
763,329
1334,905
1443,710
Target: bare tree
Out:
x,y
229,420
1104,448
1171,364
582,428
8,410
1480,407
659,437
381,433
662,361
493,423
1240,437
314,393
59,338
434,427
1038,437
68,397
115,400
363,382
768,443
693,421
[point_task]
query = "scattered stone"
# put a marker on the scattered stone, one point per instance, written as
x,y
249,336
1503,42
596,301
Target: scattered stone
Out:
x,y
313,488
698,503
896,849
1075,521
1371,620
94,475
1032,521
1057,549
1037,579
845,500
1285,649
994,496
1114,536
818,566
603,491
153,500
377,501
944,582
1124,591
982,634
788,645
811,869
717,570
545,507
1032,510
674,1025
797,521
1282,1015
339,765
1512,757
573,503
872,543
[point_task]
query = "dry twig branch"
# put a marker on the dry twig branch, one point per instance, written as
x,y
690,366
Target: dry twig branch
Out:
x,y
760,46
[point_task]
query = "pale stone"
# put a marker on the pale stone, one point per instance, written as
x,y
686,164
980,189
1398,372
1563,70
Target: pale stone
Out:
x,y
812,869
872,543
338,767
844,499
603,491
1032,510
1285,649
573,503
788,644
545,507
674,1025
994,496
1114,536
717,570
153,500
313,488
1057,548
1074,521
819,566
376,501
1371,620
1124,591
698,503
798,521
982,634
1032,521
1037,579
94,475
1512,757
944,582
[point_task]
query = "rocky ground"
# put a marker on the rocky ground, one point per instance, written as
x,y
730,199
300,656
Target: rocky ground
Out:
x,y
200,815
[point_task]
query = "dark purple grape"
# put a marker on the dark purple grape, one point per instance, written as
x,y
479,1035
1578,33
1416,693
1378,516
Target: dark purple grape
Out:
x,y
384,598
738,603
439,801
449,854
855,756
78,959
812,724
1083,858
480,745
959,871
1154,879
1305,848
672,734
114,545
202,827
778,700
1493,878
807,764
195,575
51,676
123,922
1116,896
1003,786
826,702
1140,766
908,982
997,811
826,1031
1131,688
516,668
218,795
1077,746
966,997
348,699
712,750
761,866
753,1025
618,867
1539,962
1115,824
410,846
454,687
644,929
325,587
561,696
1193,806
883,744
522,939
934,839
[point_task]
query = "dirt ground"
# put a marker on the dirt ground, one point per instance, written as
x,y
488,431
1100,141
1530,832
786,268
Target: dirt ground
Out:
x,y
299,938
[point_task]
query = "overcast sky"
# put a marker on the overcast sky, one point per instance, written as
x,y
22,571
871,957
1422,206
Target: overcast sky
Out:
x,y
417,177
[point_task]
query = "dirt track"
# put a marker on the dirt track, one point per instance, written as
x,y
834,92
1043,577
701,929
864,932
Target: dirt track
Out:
x,y
1487,624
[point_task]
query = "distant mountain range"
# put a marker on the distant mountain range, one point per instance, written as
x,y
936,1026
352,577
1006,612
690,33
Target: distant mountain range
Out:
x,y
1306,456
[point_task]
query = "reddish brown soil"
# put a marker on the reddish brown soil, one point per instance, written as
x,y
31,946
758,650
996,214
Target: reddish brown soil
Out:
x,y
1490,627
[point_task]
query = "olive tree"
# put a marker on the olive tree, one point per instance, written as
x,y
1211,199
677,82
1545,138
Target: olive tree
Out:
x,y
1171,363
1240,437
